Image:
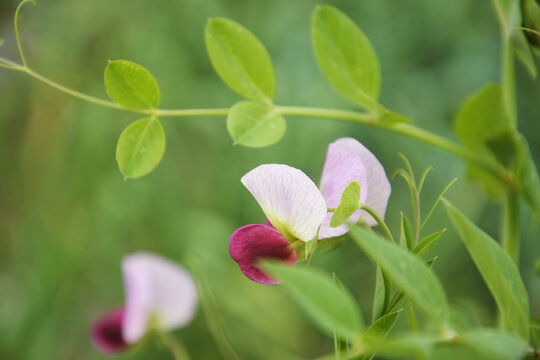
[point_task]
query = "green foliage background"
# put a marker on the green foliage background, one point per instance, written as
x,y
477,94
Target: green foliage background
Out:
x,y
67,217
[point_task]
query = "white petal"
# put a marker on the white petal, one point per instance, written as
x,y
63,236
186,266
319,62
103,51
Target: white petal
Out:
x,y
289,199
347,160
156,288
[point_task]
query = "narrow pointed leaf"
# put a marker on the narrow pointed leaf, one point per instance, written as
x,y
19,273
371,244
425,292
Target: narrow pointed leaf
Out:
x,y
498,270
407,271
240,59
382,326
381,298
350,202
140,147
427,243
535,331
346,56
330,308
407,231
131,85
253,124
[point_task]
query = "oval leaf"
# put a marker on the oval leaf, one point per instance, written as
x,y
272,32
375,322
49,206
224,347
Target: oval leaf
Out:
x,y
140,147
254,124
330,307
346,56
240,59
131,85
407,271
498,270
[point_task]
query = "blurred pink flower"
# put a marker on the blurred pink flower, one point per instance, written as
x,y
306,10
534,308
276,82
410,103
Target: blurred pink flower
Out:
x,y
159,293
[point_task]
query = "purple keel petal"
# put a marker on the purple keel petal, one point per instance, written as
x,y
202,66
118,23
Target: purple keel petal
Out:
x,y
347,160
251,243
107,333
159,289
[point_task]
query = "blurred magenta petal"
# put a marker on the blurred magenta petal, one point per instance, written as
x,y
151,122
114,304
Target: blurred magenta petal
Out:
x,y
156,289
251,243
107,333
347,160
289,199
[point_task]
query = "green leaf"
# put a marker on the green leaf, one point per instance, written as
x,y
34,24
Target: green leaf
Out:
x,y
498,270
254,124
131,85
330,308
427,243
382,326
524,52
494,344
346,56
481,119
407,271
400,346
341,345
350,202
407,231
240,59
140,147
537,266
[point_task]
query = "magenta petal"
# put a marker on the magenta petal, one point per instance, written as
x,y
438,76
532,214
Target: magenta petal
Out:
x,y
107,333
251,243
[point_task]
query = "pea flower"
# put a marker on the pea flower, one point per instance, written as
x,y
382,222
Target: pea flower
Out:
x,y
297,210
346,161
159,293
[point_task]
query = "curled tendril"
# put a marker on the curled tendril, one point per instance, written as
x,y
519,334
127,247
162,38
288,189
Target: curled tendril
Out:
x,y
17,35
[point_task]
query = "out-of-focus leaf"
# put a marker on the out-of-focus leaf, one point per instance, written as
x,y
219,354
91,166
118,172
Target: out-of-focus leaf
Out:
x,y
240,59
537,266
524,52
332,244
341,345
494,344
399,346
498,270
140,147
427,243
131,85
407,271
254,124
330,308
350,202
346,56
482,118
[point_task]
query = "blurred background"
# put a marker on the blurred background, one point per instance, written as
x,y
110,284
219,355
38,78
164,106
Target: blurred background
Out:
x,y
67,217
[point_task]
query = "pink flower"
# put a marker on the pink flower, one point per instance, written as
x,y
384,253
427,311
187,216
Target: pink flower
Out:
x,y
346,161
159,293
299,211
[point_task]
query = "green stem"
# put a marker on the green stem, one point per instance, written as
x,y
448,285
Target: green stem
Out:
x,y
413,325
348,116
379,221
175,347
511,225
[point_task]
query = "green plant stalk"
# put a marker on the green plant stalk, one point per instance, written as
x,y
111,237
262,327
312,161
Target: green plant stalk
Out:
x,y
413,324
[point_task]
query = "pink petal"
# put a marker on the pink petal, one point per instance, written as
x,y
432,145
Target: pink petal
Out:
x,y
159,289
289,199
347,160
107,333
251,243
